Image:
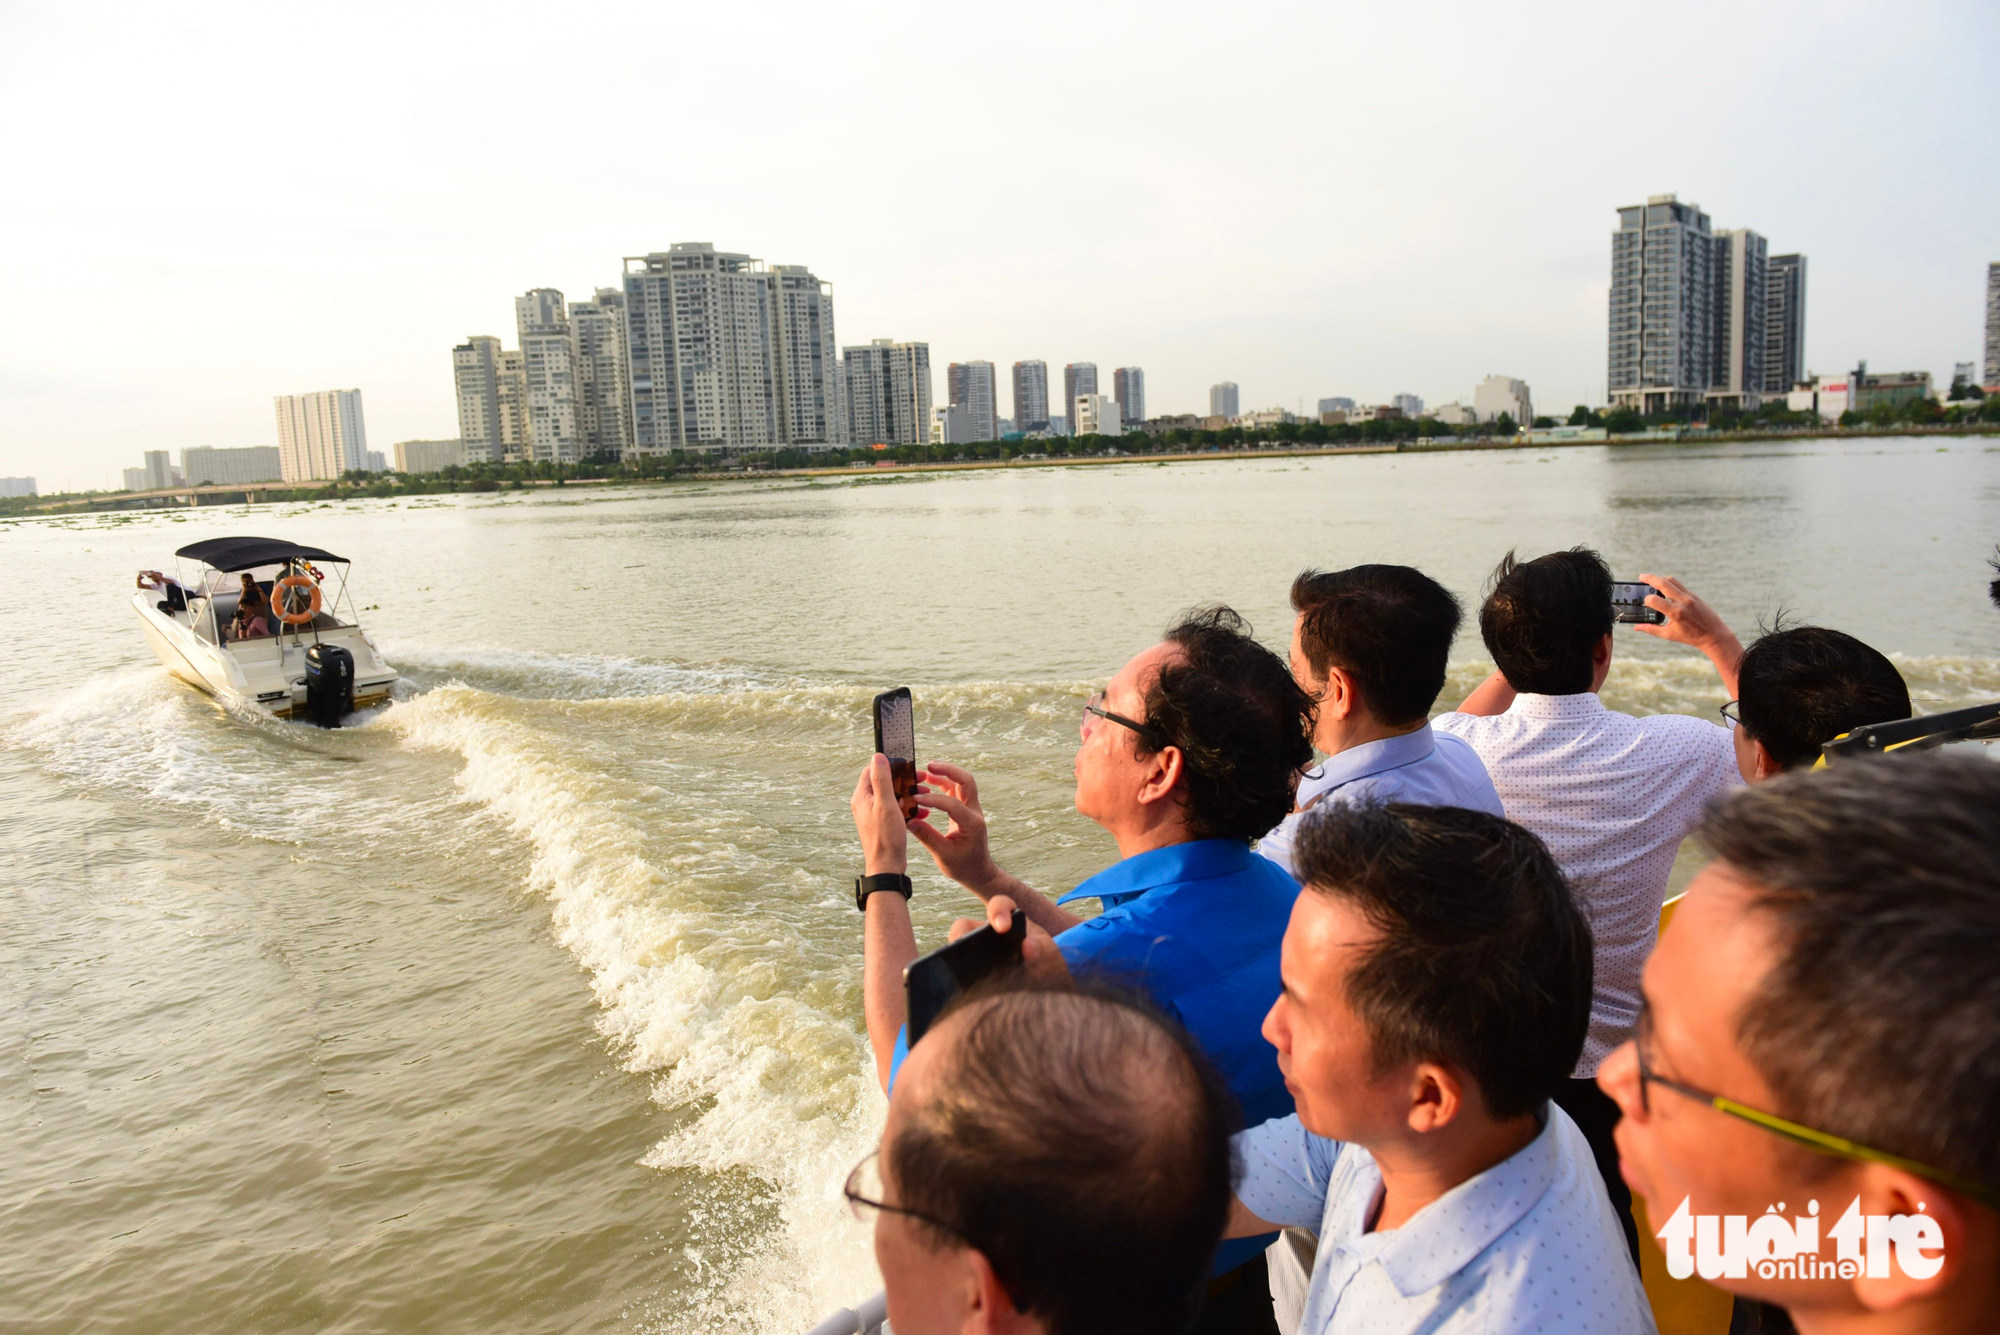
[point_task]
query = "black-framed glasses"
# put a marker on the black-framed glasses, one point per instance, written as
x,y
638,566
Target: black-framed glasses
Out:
x,y
1819,1141
1732,712
863,1190
1095,705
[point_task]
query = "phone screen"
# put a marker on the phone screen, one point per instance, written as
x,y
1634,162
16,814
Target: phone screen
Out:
x,y
930,982
1628,604
896,738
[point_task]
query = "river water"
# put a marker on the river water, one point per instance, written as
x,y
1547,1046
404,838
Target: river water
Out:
x,y
533,1002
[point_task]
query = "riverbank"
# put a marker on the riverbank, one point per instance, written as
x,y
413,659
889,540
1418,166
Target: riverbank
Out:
x,y
434,484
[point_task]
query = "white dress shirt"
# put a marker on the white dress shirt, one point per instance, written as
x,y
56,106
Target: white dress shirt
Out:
x,y
1530,1244
1421,766
1612,796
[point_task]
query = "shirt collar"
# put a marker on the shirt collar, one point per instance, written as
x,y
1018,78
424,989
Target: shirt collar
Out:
x,y
1196,860
1443,1238
1369,758
1583,704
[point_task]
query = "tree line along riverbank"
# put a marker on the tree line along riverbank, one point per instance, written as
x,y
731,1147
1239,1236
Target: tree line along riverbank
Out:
x,y
1288,440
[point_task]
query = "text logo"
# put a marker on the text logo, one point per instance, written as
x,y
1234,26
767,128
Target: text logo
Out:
x,y
1774,1247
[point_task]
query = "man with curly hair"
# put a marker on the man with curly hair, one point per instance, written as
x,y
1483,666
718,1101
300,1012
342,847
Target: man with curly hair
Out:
x,y
1185,758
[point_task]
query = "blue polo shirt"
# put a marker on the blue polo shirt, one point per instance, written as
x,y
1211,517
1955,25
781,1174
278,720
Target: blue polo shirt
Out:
x,y
1196,927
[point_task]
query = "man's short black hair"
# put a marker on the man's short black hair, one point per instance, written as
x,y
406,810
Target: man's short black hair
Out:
x,y
1485,960
1805,686
1879,1019
1543,619
1081,1143
1243,726
1390,628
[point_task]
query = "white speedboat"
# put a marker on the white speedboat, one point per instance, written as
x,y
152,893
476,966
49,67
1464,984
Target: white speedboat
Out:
x,y
297,650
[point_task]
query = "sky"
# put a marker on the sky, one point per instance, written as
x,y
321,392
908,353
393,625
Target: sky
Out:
x,y
203,205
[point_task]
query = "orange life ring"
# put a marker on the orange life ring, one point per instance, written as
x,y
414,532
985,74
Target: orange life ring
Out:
x,y
282,600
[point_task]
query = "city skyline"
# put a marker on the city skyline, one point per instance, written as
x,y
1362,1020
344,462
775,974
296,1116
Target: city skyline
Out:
x,y
1278,233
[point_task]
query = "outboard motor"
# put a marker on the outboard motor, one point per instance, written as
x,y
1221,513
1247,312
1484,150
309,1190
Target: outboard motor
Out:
x,y
329,684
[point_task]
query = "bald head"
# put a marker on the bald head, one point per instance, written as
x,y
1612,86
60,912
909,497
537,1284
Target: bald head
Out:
x,y
1079,1143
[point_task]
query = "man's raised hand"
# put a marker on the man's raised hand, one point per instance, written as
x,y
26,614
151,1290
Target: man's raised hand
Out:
x,y
961,848
878,819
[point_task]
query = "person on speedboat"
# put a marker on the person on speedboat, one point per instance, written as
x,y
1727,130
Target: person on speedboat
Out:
x,y
253,612
176,599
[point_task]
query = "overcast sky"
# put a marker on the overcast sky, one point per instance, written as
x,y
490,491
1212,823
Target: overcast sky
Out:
x,y
208,204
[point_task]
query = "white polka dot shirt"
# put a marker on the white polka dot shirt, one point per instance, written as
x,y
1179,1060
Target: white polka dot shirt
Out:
x,y
1528,1245
1612,796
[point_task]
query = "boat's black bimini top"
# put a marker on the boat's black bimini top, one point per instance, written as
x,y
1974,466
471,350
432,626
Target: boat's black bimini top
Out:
x,y
234,554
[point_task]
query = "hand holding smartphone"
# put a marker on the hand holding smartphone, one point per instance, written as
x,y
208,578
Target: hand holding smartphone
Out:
x,y
1628,604
896,738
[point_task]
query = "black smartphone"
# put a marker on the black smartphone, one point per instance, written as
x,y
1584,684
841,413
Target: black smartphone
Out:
x,y
931,981
896,738
1628,603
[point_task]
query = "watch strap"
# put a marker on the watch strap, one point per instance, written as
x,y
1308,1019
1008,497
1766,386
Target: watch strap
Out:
x,y
865,886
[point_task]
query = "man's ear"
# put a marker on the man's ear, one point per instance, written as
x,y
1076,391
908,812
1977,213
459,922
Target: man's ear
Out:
x,y
1766,767
993,1311
1437,1097
1951,1243
1337,699
1164,775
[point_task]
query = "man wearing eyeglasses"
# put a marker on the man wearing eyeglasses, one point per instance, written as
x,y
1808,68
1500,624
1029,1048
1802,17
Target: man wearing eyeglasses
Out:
x,y
1821,1026
1186,756
1005,1200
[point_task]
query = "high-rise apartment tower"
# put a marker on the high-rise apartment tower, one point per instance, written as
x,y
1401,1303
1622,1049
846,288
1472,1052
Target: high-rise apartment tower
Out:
x,y
492,400
1078,378
1223,400
1128,386
1784,323
1744,279
603,397
970,387
1031,397
320,435
888,393
548,359
1992,325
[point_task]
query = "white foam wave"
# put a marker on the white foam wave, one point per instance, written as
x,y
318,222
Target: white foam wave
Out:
x,y
568,676
770,1085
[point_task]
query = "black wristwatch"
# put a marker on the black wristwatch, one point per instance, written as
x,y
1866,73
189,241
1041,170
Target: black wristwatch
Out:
x,y
865,886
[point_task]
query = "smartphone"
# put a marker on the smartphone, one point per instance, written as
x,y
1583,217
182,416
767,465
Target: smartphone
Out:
x,y
930,982
896,738
1628,603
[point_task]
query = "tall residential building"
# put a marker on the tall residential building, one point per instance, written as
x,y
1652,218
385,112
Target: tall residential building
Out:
x,y
1993,324
1698,314
1097,415
548,357
1784,323
1409,405
157,473
492,400
1078,378
1224,401
320,435
603,401
1743,279
430,456
725,354
1498,394
1128,386
17,486
203,464
1031,396
888,393
970,386
811,392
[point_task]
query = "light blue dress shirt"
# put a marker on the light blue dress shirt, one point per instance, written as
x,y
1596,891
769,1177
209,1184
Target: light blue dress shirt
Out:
x,y
1433,769
1196,927
1529,1245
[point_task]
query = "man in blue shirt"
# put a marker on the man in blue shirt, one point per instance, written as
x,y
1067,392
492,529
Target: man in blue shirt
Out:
x,y
1370,644
1187,755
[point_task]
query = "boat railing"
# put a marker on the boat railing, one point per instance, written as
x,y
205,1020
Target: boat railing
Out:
x,y
867,1317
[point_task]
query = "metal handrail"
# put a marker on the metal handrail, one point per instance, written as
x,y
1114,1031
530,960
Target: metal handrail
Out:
x,y
867,1317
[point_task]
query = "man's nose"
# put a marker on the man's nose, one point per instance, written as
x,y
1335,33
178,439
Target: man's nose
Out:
x,y
1618,1076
